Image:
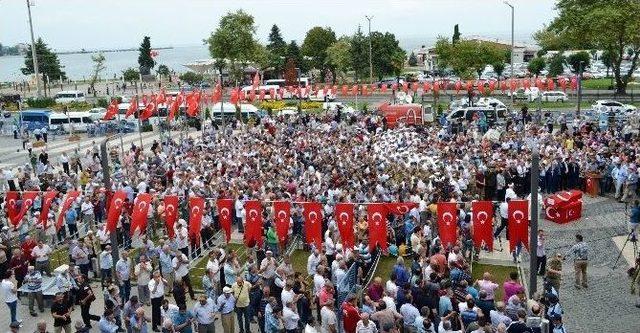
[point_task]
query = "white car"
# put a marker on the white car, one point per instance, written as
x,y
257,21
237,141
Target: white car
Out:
x,y
490,102
97,113
609,105
554,96
70,96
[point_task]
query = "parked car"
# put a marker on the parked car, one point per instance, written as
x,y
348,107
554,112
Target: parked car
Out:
x,y
554,96
610,105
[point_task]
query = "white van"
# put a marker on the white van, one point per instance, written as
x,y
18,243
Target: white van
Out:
x,y
554,96
267,91
228,110
493,115
79,120
69,96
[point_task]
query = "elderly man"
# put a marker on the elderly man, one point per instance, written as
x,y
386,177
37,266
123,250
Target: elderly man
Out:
x,y
225,305
365,325
181,267
241,294
123,273
203,311
165,260
142,271
156,290
41,255
106,264
33,282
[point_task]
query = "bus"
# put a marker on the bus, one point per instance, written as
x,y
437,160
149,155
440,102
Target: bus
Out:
x,y
70,96
34,119
80,121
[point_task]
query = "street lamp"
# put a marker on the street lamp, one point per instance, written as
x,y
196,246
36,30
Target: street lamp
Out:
x,y
36,71
512,44
535,212
369,18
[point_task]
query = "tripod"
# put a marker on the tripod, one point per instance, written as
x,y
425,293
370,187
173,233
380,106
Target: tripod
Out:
x,y
631,237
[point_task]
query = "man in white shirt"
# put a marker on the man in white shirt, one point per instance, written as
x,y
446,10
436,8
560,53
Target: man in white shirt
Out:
x,y
86,212
143,273
181,269
290,316
156,289
10,294
268,267
365,325
182,237
204,311
167,310
106,264
312,262
329,321
104,236
41,254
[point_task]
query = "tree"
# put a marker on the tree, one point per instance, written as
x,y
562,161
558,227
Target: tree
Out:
x,y
536,65
610,25
498,67
290,73
468,58
277,49
315,46
556,64
145,60
234,40
607,60
48,63
456,35
413,60
359,54
191,78
574,60
550,40
339,56
163,71
387,52
98,66
293,53
130,75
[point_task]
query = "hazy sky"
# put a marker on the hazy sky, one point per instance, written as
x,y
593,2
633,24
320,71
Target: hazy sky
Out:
x,y
91,24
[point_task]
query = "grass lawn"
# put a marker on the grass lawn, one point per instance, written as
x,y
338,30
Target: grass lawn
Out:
x,y
59,256
299,260
499,274
385,267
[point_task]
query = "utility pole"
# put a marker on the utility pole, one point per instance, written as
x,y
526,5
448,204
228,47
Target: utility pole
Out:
x,y
369,18
106,179
36,70
512,46
533,233
579,87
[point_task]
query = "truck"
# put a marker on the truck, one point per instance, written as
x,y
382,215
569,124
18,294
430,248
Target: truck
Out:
x,y
408,114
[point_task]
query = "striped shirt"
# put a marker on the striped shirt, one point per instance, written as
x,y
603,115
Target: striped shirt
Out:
x,y
580,251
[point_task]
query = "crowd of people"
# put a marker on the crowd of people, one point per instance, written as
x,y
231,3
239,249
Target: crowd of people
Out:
x,y
328,158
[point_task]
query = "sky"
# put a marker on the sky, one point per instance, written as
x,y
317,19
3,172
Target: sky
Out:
x,y
97,24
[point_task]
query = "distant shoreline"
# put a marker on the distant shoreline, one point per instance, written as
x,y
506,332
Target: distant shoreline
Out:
x,y
110,50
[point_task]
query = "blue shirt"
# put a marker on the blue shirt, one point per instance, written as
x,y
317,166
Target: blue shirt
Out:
x,y
180,318
123,268
71,216
134,325
401,274
444,305
224,304
635,215
107,326
165,262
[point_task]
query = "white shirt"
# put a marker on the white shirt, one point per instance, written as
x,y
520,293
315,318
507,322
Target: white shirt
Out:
x,y
204,313
287,296
328,317
214,266
86,208
104,236
159,290
318,283
181,268
182,238
391,288
41,254
290,318
6,288
329,246
369,328
171,309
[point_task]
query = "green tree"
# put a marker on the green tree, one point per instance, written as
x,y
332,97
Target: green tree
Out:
x,y
359,54
191,78
234,40
577,58
145,60
387,53
610,25
130,75
550,40
293,53
498,67
277,49
339,56
413,60
536,65
98,66
607,60
467,57
456,34
48,63
556,64
163,71
315,46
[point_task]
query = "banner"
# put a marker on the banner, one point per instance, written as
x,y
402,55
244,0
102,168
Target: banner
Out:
x,y
225,206
400,208
281,216
170,214
196,209
46,204
253,226
12,206
27,201
313,223
115,209
482,223
139,215
66,204
448,223
377,220
344,219
518,226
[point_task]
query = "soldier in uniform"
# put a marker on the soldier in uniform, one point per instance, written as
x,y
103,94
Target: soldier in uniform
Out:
x,y
554,271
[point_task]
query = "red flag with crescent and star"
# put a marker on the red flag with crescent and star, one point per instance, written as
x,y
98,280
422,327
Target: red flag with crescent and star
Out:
x,y
196,209
27,201
133,107
313,223
344,219
448,223
281,213
115,208
139,215
518,226
482,223
400,208
112,110
46,205
170,214
377,221
66,204
253,226
225,207
12,206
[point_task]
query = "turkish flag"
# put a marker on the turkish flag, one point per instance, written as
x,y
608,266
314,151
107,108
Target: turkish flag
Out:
x,y
469,85
344,219
526,84
115,208
458,86
196,209
400,208
256,81
405,87
112,110
175,106
426,87
383,89
139,215
253,226
394,86
574,83
448,223
563,83
481,87
193,102
149,110
133,107
68,201
161,97
513,85
377,221
436,88
550,84
272,94
12,208
482,223
492,86
27,202
46,204
225,207
313,223
503,86
281,213
262,94
518,223
170,213
354,89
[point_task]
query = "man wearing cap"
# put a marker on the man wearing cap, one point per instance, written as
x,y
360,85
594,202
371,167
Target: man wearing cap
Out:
x,y
33,282
241,294
268,267
225,305
558,325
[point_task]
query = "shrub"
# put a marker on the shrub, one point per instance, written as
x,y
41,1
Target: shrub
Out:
x,y
272,105
44,102
147,128
102,103
311,105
